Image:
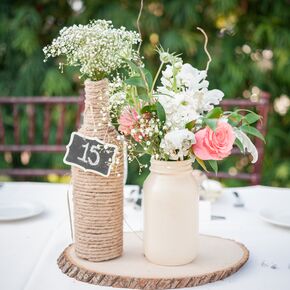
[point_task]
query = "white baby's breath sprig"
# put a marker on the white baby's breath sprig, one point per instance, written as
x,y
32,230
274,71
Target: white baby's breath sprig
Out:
x,y
97,48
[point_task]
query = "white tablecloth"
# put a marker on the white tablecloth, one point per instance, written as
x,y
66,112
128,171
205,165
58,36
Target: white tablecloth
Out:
x,y
29,248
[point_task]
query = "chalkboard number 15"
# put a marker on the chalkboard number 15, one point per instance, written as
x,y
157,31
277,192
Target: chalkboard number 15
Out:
x,y
87,159
90,154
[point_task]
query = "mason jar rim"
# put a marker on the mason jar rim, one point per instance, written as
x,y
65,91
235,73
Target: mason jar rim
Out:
x,y
162,166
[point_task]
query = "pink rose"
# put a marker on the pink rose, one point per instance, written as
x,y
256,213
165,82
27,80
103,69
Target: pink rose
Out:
x,y
216,145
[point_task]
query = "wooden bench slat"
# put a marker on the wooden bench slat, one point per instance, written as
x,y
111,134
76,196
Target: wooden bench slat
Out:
x,y
32,148
27,172
2,128
253,177
60,124
46,123
41,100
79,115
30,109
16,124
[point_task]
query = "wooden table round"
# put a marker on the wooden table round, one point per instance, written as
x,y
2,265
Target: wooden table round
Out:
x,y
218,258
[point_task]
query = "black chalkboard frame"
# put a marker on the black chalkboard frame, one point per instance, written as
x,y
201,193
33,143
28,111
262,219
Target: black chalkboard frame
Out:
x,y
113,157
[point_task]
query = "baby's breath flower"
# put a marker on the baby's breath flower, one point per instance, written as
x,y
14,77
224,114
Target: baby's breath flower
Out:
x,y
97,48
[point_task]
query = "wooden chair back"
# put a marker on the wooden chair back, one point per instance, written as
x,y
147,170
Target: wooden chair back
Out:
x,y
58,145
23,109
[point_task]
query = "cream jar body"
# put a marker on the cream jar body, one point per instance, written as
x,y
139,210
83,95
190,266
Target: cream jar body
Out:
x,y
170,213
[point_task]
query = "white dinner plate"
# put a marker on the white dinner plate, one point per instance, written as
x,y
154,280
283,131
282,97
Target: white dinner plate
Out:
x,y
19,210
276,217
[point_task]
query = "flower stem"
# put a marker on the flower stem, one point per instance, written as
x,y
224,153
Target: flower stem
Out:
x,y
156,77
135,100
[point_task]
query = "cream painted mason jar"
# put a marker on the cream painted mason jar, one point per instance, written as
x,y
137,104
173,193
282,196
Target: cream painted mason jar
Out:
x,y
170,213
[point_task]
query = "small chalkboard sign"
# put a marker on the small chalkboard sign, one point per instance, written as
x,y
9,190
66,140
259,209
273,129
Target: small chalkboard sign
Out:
x,y
90,154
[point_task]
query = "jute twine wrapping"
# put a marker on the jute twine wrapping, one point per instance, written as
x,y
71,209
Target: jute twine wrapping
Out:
x,y
98,200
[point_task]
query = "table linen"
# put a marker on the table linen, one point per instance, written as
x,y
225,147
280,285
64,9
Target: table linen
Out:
x,y
29,248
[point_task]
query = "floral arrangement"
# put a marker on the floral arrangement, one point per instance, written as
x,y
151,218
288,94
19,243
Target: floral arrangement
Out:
x,y
178,119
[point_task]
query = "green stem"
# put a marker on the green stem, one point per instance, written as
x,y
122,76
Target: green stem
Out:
x,y
144,80
174,81
156,77
133,91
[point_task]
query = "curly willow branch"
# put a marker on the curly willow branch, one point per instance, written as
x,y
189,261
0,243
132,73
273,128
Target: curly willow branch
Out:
x,y
138,23
205,47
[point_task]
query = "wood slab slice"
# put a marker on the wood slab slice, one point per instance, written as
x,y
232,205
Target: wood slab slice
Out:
x,y
218,258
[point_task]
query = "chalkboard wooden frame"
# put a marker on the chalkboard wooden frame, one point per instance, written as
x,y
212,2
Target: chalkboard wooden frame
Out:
x,y
67,160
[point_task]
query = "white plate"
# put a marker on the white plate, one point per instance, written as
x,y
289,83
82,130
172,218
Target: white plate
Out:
x,y
276,217
19,210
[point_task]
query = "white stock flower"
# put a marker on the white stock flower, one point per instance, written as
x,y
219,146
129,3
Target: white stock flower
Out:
x,y
206,99
176,143
192,78
184,95
167,74
179,109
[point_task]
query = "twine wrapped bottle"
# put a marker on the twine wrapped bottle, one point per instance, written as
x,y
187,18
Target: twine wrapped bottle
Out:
x,y
98,200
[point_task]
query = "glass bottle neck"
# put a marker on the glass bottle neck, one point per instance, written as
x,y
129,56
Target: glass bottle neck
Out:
x,y
96,112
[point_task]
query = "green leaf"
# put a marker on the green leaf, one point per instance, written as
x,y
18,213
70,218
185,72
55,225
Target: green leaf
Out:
x,y
148,108
135,81
213,165
240,145
148,77
132,65
251,118
160,113
235,118
142,94
201,163
212,123
214,113
190,125
253,131
142,73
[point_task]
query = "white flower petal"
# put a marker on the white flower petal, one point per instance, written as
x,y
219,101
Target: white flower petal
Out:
x,y
176,143
167,73
165,82
247,144
214,96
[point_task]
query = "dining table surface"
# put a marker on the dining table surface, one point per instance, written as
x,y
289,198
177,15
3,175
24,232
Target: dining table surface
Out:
x,y
30,247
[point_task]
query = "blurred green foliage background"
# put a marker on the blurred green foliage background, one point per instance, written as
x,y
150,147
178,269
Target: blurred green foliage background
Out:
x,y
249,41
